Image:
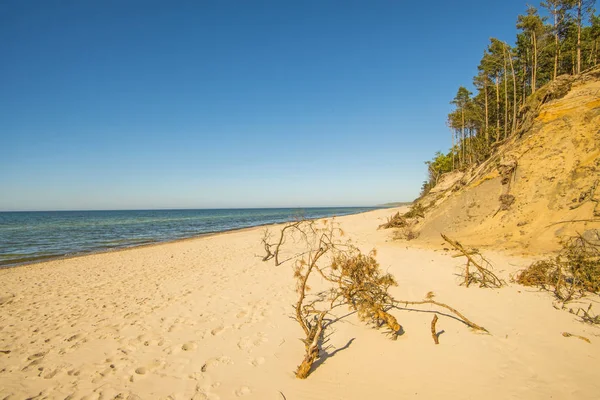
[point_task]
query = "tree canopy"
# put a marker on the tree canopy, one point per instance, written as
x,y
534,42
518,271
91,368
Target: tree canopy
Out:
x,y
563,41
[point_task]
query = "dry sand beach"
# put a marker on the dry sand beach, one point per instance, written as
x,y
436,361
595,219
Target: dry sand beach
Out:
x,y
207,319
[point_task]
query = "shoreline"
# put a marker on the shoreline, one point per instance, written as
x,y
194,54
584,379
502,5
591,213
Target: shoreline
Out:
x,y
159,242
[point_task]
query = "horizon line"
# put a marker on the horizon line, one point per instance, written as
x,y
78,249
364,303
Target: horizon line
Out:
x,y
207,208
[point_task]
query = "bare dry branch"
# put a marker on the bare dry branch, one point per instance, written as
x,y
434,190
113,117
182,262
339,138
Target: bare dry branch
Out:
x,y
483,274
567,334
434,334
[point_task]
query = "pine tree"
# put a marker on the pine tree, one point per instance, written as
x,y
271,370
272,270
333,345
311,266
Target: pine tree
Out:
x,y
533,26
558,9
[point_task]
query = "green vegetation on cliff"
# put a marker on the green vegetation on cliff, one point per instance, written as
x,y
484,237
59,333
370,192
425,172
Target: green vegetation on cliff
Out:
x,y
564,39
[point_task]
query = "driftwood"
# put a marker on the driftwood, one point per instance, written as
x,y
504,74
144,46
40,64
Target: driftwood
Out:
x,y
482,273
434,334
567,334
312,347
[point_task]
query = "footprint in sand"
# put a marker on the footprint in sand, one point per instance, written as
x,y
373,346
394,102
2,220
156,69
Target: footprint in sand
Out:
x,y
205,396
146,369
243,391
52,373
74,337
247,343
36,355
189,346
215,361
258,361
218,330
203,391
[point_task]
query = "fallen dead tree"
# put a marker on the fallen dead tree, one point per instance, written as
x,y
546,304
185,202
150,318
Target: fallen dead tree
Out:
x,y
477,269
395,221
404,220
351,279
574,272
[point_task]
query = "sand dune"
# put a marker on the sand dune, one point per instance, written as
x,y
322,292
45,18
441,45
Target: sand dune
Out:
x,y
207,319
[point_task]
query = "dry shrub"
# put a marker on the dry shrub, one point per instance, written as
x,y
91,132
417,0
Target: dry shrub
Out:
x,y
354,279
403,220
363,286
416,211
575,271
395,221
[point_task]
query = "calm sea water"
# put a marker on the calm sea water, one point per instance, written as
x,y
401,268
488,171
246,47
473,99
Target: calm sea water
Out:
x,y
34,236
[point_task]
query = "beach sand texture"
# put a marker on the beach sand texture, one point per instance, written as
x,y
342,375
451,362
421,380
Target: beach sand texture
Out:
x,y
207,319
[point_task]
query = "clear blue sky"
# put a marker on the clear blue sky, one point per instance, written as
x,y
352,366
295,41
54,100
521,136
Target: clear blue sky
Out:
x,y
203,104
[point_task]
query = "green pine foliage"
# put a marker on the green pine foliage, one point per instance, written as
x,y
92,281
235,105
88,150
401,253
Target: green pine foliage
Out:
x,y
564,40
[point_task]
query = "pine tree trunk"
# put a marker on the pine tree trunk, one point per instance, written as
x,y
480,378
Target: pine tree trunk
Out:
x,y
497,107
524,97
514,120
485,92
534,69
556,44
505,96
524,82
463,131
452,150
579,22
